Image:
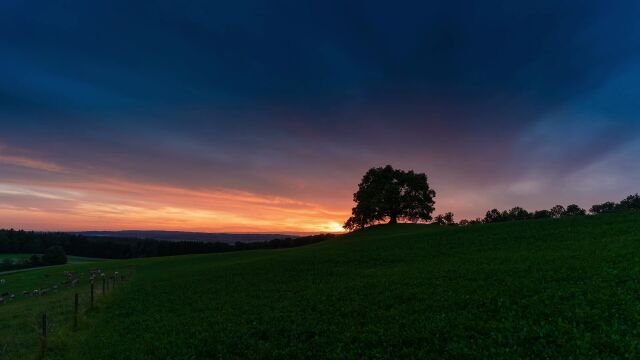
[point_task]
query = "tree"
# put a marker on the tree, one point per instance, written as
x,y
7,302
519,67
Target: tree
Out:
x,y
54,255
541,214
444,219
494,215
35,260
387,194
605,207
631,202
574,210
557,211
448,218
518,213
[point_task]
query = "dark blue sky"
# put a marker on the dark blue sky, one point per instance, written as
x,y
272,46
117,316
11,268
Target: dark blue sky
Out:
x,y
106,108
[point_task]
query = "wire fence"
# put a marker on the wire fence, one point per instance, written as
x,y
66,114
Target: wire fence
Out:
x,y
81,303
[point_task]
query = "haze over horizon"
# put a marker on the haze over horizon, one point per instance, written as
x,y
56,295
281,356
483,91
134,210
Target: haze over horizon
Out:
x,y
261,116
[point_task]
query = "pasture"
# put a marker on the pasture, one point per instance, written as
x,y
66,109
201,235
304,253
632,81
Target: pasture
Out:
x,y
565,288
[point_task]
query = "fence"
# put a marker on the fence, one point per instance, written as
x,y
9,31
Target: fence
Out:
x,y
109,283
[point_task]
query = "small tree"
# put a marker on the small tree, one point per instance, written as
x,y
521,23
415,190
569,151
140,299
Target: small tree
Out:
x,y
494,215
54,255
439,220
444,219
35,260
448,218
518,213
605,207
631,202
387,194
557,211
541,214
574,210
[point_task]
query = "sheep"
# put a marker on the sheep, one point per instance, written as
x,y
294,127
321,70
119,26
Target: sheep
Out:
x,y
75,282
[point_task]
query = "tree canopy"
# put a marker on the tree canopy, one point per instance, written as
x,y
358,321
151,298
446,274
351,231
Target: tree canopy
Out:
x,y
388,194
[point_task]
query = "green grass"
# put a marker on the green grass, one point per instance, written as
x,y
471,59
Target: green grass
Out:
x,y
563,288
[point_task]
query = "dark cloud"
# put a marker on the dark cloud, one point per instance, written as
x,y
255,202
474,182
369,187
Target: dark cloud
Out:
x,y
297,99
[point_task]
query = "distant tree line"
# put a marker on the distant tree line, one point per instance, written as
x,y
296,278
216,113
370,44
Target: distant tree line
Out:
x,y
391,195
54,255
631,202
20,241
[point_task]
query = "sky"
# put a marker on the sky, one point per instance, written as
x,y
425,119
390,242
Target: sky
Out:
x,y
262,116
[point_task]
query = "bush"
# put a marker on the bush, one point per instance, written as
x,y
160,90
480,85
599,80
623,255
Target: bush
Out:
x,y
54,255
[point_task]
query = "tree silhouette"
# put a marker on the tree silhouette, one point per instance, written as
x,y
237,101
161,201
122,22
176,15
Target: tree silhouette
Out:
x,y
541,214
494,215
518,213
388,194
557,211
631,202
444,219
605,207
54,255
448,218
574,210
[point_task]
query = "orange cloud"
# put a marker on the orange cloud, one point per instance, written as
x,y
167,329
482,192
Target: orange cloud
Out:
x,y
29,163
111,204
8,157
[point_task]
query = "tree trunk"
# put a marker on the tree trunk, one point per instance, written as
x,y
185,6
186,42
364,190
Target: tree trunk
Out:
x,y
393,219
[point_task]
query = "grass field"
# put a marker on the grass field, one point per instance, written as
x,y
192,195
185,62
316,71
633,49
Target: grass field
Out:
x,y
564,288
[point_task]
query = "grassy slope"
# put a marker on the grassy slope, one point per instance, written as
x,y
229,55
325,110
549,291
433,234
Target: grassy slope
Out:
x,y
552,288
19,318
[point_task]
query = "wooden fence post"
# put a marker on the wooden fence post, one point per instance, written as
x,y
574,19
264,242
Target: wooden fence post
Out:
x,y
43,337
75,312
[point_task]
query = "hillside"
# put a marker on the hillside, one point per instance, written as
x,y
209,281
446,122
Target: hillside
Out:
x,y
549,288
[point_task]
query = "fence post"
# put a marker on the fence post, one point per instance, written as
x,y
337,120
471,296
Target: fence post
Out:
x,y
43,338
75,312
92,294
103,284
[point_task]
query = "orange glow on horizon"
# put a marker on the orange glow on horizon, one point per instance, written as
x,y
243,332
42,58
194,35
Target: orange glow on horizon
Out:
x,y
114,204
83,202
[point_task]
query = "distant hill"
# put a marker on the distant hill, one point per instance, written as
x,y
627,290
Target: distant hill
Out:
x,y
187,236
